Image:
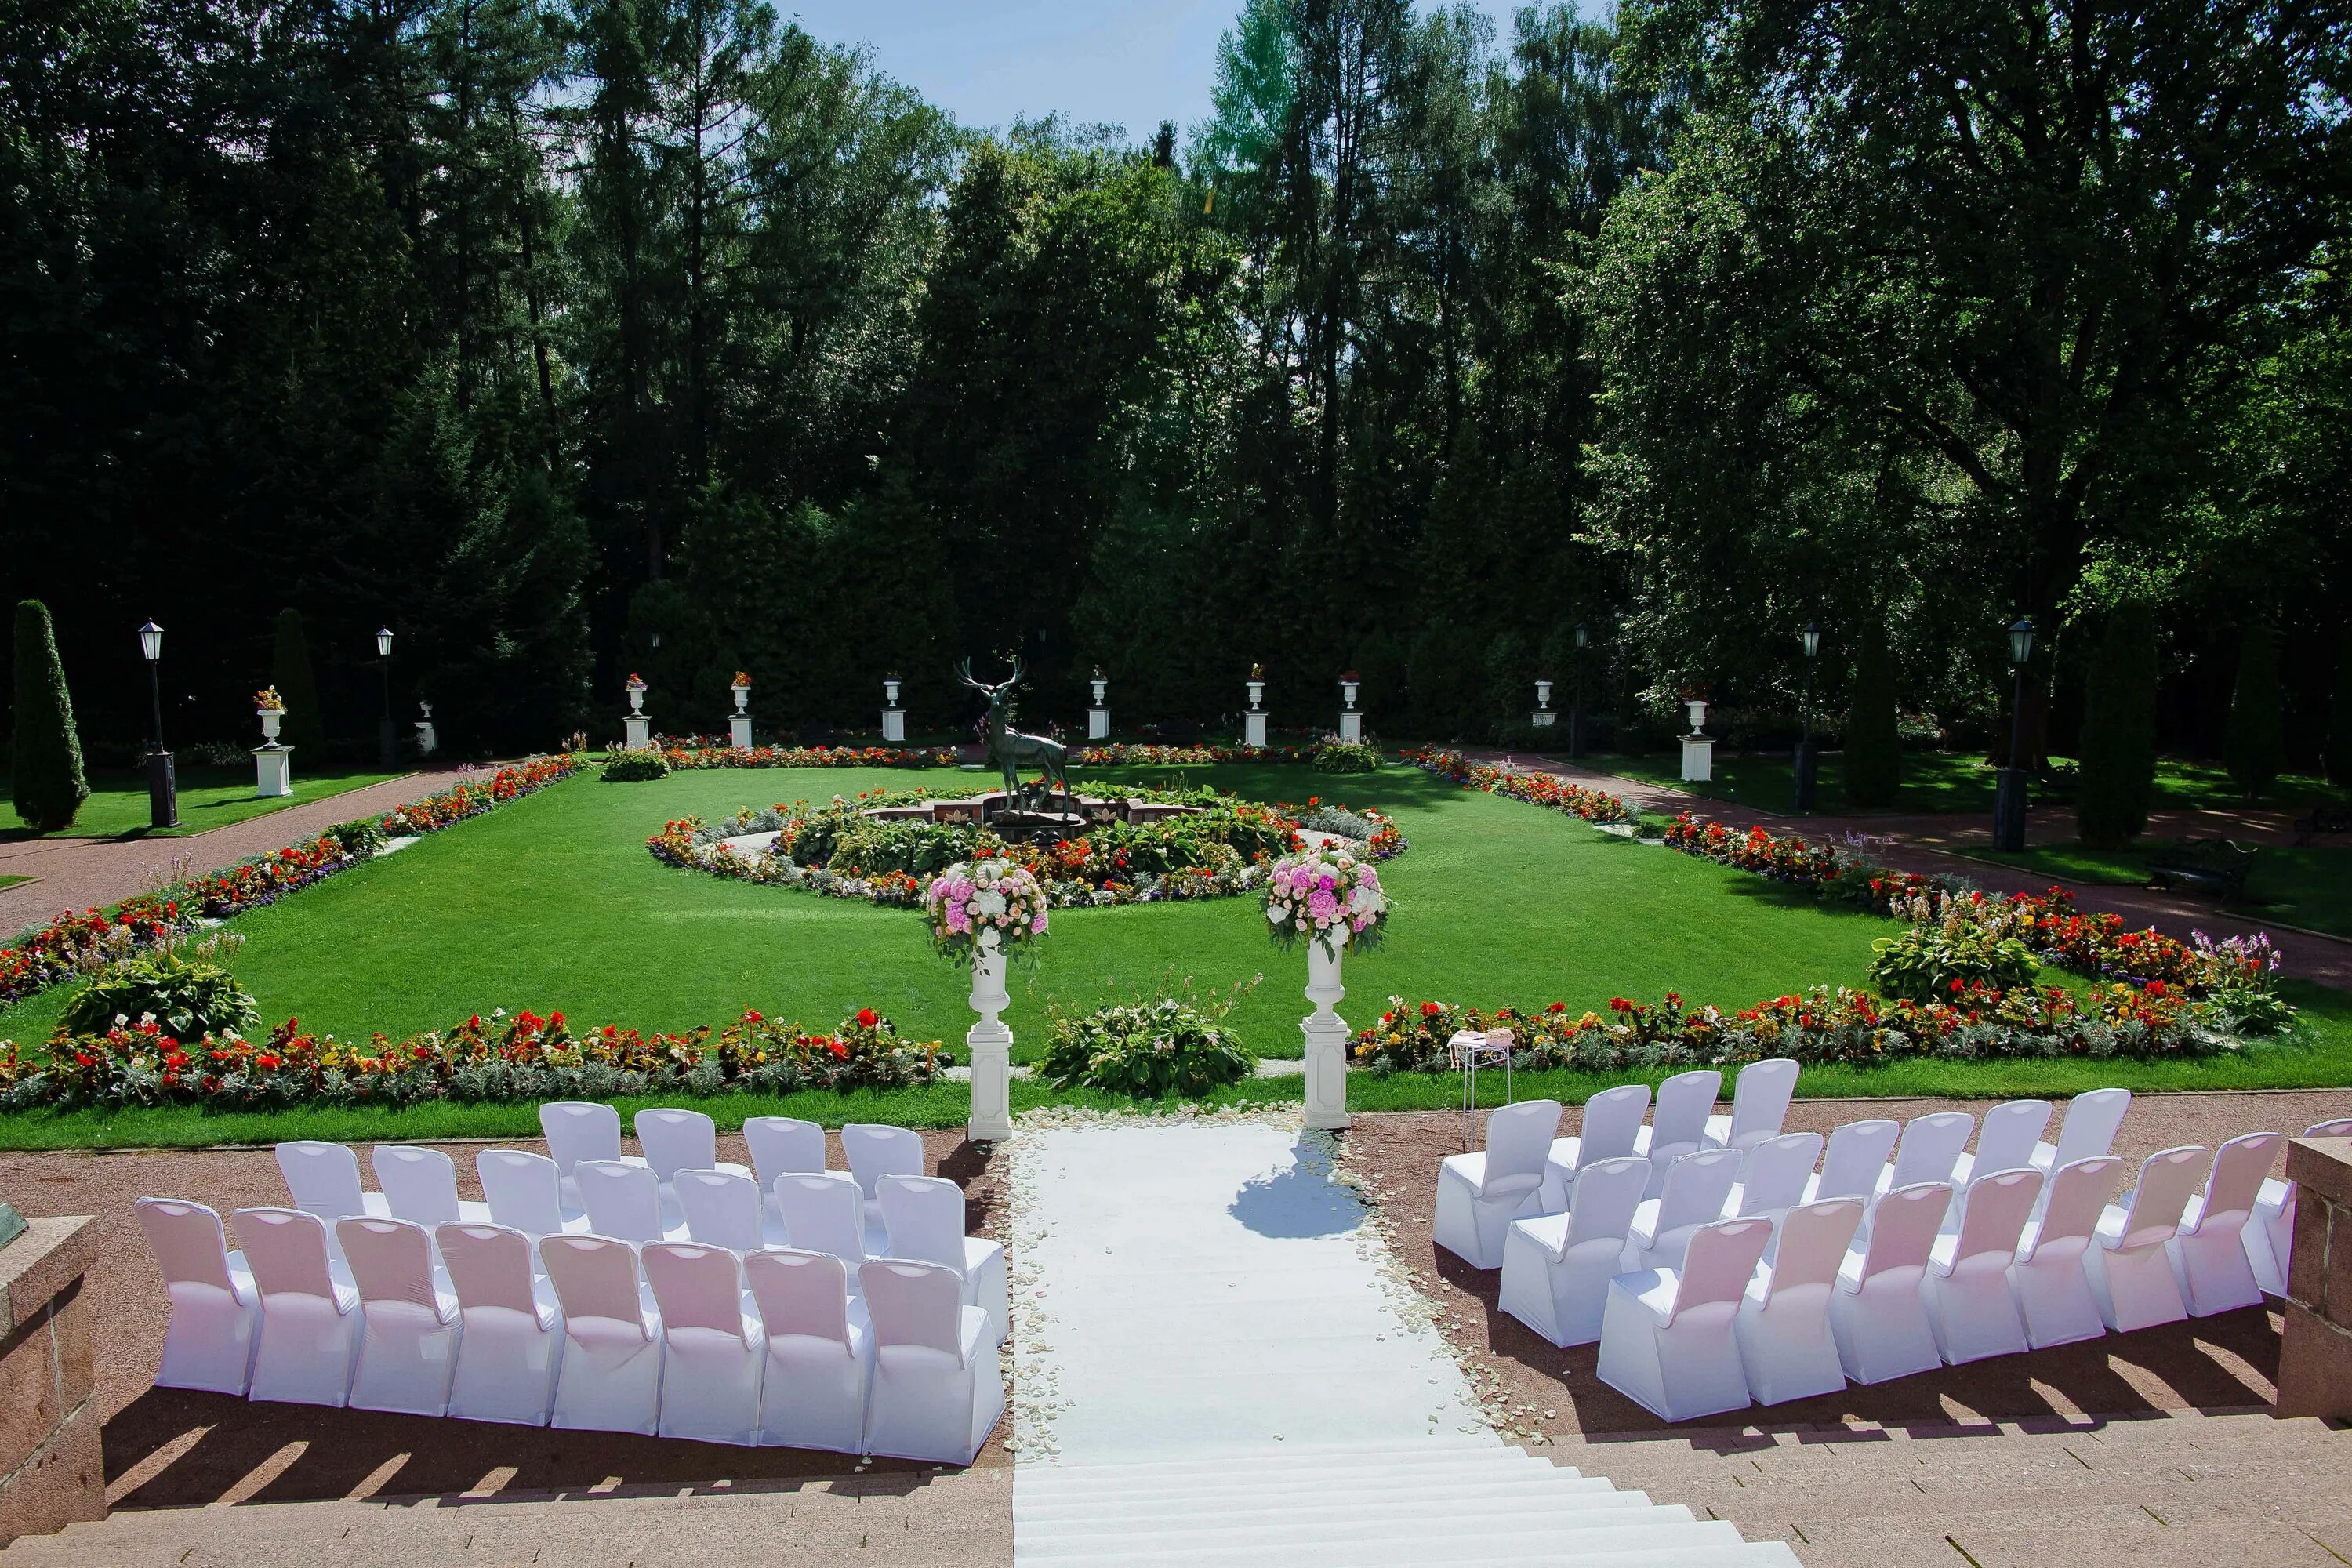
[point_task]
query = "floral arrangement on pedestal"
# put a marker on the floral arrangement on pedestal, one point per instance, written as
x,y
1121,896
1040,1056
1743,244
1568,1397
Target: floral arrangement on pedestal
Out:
x,y
1328,897
980,909
267,701
743,681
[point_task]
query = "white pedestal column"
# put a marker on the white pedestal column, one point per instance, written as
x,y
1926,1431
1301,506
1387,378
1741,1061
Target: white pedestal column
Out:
x,y
1254,729
1351,725
1542,718
1326,1040
1097,723
894,724
991,1042
739,726
640,733
427,743
273,771
1698,758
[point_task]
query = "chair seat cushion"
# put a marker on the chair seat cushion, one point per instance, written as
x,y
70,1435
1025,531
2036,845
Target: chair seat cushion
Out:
x,y
1653,1290
1548,1231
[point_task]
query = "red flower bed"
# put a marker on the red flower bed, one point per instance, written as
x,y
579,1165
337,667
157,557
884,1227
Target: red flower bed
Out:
x,y
1548,790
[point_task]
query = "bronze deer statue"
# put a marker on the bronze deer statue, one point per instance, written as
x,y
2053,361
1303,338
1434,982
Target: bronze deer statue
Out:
x,y
1010,748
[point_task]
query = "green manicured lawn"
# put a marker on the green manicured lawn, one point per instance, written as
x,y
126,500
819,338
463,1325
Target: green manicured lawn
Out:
x,y
13,881
2311,887
209,797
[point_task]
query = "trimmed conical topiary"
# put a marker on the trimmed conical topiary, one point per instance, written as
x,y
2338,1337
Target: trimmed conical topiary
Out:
x,y
1873,744
2255,744
2339,720
2118,757
289,671
46,780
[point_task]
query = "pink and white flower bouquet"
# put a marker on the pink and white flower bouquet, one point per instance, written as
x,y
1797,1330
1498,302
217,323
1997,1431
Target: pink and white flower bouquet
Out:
x,y
1326,895
984,907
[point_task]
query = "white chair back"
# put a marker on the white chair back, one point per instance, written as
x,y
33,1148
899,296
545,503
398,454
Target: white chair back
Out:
x,y
1773,1176
2011,1132
877,1151
2091,1124
1607,1194
1759,1099
579,1130
1611,1119
697,1286
418,1184
1716,1269
189,1245
322,1179
596,1279
822,1213
286,1252
1518,1137
2078,1196
722,1209
676,1140
489,1266
1814,1241
780,1145
521,1189
1684,1102
2239,1167
1930,1148
1696,1188
912,1303
2340,1126
1856,1154
2167,1179
925,1216
389,1260
624,1200
804,1293
2000,1203
1903,1230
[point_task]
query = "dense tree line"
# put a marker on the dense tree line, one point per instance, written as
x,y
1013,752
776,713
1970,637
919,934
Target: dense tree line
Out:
x,y
569,338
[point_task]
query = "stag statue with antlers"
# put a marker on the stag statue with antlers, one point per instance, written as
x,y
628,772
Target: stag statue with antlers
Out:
x,y
1011,748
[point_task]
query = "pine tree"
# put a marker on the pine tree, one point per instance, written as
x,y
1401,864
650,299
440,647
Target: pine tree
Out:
x,y
46,780
298,686
2255,743
2118,754
1873,745
2339,720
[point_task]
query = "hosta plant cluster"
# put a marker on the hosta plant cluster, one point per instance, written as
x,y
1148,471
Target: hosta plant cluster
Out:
x,y
1152,1051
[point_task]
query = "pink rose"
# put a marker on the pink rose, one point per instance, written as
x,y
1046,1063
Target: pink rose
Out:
x,y
1322,905
1037,926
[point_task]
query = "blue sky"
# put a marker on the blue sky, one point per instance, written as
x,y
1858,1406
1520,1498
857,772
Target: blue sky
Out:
x,y
1132,62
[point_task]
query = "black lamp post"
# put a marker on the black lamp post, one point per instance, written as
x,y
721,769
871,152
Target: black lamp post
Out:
x,y
1808,761
1575,714
383,731
2009,801
162,790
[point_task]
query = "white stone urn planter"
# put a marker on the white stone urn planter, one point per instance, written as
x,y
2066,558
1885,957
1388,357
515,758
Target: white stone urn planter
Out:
x,y
638,728
1348,690
1698,748
1098,716
1697,706
1326,1037
1253,721
273,764
1543,694
991,1043
272,720
742,698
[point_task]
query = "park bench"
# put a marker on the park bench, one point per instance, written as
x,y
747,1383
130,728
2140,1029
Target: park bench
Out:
x,y
2216,864
2323,819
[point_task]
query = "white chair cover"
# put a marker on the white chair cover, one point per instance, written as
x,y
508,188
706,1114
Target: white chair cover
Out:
x,y
2053,1292
1773,1176
1557,1266
408,1318
2270,1238
2209,1252
1853,1160
2012,1132
609,1376
2088,1130
781,1144
1679,1126
625,1202
1929,1152
722,1208
1479,1194
216,1306
1697,1186
1783,1325
925,1217
824,1213
676,1140
525,1192
1878,1311
1971,1304
937,1391
875,1151
1666,1336
1613,1119
819,1351
309,1310
1760,1105
324,1179
579,1130
713,1344
2129,1267
514,1328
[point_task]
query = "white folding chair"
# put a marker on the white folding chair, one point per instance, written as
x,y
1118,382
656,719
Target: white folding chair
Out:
x,y
937,1391
309,1310
1760,1105
1557,1266
625,1202
1929,1152
421,1185
820,1350
215,1305
713,1344
324,1179
1783,1325
824,1212
2208,1251
925,1217
1853,1162
408,1318
579,1130
877,1150
2054,1294
2269,1237
1878,1311
723,1209
2012,1132
1679,1125
1666,1338
1698,1186
1479,1194
608,1378
513,1326
1613,1118
676,1140
2086,1132
2126,1262
1969,1302
782,1145
525,1192
1773,1175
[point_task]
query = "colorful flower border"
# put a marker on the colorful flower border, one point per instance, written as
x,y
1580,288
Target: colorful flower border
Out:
x,y
714,751
1548,790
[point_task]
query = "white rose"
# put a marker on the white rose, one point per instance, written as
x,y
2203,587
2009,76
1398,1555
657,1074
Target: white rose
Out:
x,y
1275,913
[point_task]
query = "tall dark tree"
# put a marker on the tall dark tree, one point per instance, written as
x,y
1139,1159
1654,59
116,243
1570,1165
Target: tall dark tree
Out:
x,y
2255,746
290,670
46,781
1873,739
2119,749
